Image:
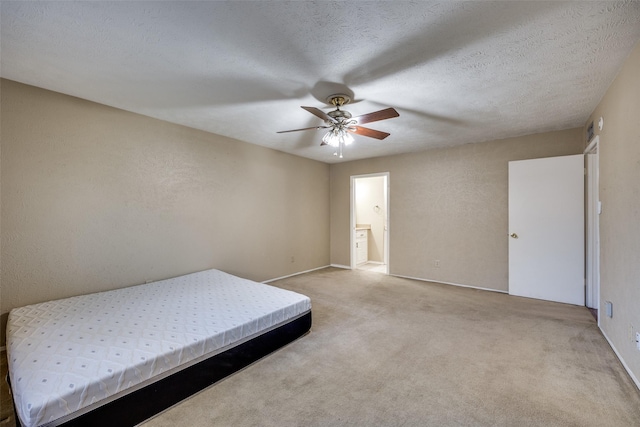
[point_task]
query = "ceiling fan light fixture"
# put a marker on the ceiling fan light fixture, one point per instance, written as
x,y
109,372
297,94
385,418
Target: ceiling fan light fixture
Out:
x,y
330,139
337,137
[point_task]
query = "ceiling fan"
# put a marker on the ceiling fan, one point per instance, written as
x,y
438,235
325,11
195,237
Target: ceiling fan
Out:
x,y
341,124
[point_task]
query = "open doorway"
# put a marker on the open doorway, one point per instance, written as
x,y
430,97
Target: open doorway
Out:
x,y
370,222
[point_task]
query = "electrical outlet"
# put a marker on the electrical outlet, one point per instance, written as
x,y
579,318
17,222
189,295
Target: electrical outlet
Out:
x,y
638,340
293,259
436,263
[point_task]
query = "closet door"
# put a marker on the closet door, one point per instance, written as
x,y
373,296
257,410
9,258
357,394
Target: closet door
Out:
x,y
546,229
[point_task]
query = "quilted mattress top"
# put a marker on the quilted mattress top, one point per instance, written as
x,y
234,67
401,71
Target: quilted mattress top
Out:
x,y
68,354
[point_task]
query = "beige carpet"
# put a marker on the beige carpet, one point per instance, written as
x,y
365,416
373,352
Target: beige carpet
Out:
x,y
386,351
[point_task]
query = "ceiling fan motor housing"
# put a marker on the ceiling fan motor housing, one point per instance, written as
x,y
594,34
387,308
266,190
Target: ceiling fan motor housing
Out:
x,y
339,115
338,101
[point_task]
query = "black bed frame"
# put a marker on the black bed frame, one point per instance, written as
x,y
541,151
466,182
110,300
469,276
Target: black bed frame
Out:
x,y
142,404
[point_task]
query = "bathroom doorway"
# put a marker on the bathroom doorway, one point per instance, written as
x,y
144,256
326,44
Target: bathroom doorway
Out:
x,y
370,222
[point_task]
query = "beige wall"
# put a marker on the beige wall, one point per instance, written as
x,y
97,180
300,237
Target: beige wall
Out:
x,y
96,198
619,150
447,204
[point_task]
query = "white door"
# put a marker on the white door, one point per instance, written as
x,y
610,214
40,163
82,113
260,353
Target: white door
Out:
x,y
546,229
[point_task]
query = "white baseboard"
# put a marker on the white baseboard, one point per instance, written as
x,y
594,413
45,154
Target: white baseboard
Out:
x,y
296,274
449,283
624,364
346,267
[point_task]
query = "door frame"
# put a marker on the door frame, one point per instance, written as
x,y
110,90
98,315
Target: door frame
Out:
x,y
352,219
592,221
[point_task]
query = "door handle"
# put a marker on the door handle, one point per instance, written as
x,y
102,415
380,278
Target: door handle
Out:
x,y
514,235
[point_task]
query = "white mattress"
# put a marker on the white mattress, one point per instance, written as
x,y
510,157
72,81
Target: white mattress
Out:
x,y
66,355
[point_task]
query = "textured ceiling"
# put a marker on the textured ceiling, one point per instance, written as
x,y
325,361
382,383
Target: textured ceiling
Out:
x,y
457,72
